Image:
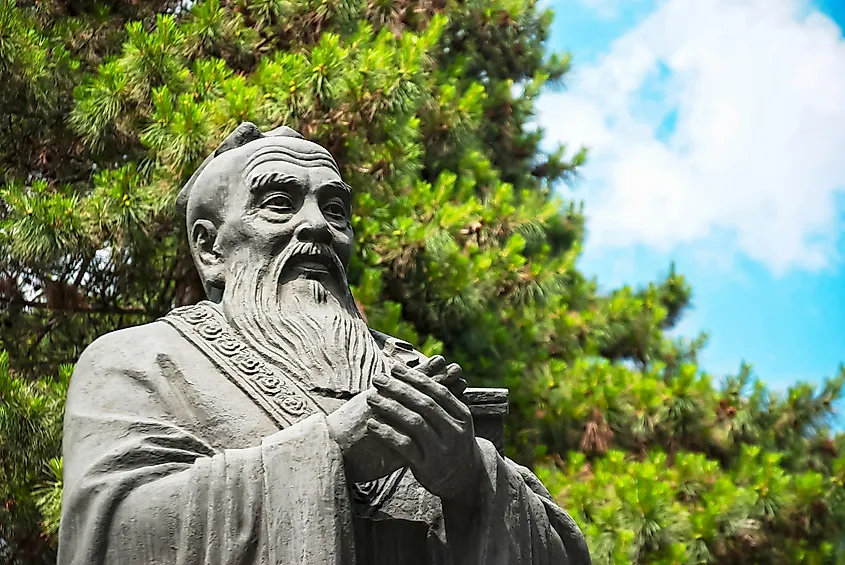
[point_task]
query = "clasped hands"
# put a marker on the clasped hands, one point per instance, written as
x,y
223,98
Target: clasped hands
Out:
x,y
411,418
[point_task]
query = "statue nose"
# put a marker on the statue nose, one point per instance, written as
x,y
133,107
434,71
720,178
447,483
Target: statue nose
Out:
x,y
314,230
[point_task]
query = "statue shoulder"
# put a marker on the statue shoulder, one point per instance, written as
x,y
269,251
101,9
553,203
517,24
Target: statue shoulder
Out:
x,y
114,364
132,346
155,338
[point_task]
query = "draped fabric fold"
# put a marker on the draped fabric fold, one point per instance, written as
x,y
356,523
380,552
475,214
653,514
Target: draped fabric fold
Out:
x,y
168,462
141,489
510,522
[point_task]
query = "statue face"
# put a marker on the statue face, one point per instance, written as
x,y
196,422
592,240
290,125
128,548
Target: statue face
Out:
x,y
280,251
288,200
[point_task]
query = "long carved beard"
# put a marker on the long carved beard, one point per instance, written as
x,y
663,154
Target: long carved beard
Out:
x,y
316,337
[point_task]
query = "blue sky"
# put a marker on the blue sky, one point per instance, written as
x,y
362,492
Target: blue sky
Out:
x,y
717,137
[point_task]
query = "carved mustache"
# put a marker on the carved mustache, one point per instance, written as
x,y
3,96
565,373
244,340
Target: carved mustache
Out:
x,y
297,249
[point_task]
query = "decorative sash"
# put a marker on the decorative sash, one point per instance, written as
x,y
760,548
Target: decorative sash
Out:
x,y
283,399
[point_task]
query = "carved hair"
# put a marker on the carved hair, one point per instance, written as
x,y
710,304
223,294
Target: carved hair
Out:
x,y
243,134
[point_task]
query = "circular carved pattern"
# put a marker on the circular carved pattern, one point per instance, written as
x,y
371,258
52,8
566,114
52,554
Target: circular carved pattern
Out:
x,y
248,363
270,384
293,405
228,345
210,329
244,360
195,314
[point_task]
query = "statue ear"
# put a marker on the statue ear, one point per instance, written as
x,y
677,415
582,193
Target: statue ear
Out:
x,y
210,262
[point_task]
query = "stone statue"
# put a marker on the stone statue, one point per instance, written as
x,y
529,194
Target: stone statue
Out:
x,y
269,424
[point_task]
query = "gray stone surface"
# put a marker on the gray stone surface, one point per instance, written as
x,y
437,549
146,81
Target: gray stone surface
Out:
x,y
269,424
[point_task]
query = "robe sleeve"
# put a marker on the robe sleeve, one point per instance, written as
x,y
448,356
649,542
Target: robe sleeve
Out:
x,y
511,520
141,487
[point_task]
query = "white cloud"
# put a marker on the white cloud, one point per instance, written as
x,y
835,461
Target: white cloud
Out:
x,y
758,151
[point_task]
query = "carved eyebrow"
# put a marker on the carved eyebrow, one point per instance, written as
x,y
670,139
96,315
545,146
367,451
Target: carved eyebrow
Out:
x,y
259,181
339,184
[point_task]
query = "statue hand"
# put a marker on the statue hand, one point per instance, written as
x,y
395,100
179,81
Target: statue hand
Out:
x,y
365,457
423,421
450,376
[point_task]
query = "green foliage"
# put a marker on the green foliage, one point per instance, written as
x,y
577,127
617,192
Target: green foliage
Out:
x,y
31,423
692,510
462,247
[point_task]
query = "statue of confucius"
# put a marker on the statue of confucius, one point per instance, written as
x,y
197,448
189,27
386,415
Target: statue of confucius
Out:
x,y
269,424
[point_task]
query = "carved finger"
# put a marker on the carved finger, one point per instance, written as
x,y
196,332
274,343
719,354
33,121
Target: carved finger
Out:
x,y
453,379
408,420
417,402
432,366
458,387
450,374
439,393
456,383
395,440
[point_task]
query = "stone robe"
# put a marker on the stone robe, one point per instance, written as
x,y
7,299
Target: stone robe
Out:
x,y
183,447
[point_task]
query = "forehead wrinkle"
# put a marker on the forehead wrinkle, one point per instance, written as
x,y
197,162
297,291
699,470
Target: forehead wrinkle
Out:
x,y
291,156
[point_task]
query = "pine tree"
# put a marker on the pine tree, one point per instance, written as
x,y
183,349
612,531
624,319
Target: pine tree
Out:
x,y
462,247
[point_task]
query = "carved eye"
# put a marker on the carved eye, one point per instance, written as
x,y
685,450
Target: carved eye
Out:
x,y
335,210
279,203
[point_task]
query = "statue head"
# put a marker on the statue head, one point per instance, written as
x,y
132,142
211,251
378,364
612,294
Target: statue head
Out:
x,y
268,195
268,220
